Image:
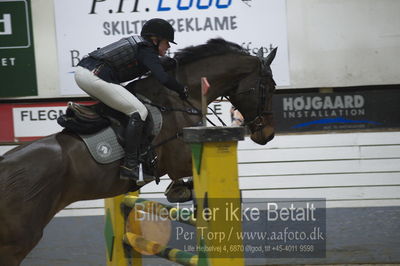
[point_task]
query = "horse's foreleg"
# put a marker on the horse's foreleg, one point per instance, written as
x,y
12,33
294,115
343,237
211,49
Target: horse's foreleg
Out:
x,y
176,159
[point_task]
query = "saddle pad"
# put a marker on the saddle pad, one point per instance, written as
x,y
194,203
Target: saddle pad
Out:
x,y
103,146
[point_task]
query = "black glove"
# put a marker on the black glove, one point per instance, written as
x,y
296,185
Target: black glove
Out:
x,y
183,94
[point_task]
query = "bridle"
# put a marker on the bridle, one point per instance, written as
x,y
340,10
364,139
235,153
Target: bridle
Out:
x,y
257,123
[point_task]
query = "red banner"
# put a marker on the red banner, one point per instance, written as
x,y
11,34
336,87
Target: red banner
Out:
x,y
21,122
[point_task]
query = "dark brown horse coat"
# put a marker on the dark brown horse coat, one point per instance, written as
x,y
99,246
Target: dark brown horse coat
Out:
x,y
39,179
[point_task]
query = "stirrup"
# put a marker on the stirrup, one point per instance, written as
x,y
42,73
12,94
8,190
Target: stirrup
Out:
x,y
141,179
128,173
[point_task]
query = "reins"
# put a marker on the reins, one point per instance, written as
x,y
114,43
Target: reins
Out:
x,y
164,109
191,111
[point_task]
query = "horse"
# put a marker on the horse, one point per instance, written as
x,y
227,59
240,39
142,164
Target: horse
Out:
x,y
39,179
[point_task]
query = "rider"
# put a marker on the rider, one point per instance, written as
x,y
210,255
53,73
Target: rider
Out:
x,y
101,73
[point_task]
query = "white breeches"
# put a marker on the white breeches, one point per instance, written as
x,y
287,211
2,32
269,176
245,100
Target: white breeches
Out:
x,y
113,95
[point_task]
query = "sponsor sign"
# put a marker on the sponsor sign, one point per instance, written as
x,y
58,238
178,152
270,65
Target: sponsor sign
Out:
x,y
36,121
27,122
337,111
17,60
96,23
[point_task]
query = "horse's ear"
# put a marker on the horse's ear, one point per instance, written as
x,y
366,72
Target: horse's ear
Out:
x,y
271,56
260,53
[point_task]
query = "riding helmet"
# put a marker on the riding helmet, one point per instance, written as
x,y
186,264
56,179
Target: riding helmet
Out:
x,y
158,27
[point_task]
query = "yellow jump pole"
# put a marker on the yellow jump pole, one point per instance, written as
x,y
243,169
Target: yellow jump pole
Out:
x,y
216,187
117,253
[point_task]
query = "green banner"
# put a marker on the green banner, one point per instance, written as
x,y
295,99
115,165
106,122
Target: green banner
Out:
x,y
17,58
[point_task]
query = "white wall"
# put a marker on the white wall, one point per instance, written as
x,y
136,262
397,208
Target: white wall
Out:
x,y
44,35
347,169
331,43
343,42
6,148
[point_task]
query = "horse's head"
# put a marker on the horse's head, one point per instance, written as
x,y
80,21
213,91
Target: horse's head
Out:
x,y
246,80
253,98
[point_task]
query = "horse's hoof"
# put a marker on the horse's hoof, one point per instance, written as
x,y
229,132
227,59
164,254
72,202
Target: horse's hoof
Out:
x,y
179,195
179,191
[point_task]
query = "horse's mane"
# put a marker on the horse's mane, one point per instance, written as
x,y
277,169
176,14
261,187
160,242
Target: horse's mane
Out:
x,y
213,47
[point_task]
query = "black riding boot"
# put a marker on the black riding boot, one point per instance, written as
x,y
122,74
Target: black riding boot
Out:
x,y
133,137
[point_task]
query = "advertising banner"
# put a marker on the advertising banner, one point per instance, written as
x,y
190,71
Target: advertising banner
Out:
x,y
21,122
17,58
84,25
27,122
337,111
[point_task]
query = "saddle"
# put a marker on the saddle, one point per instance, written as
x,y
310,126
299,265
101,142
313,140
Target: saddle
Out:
x,y
83,119
103,131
